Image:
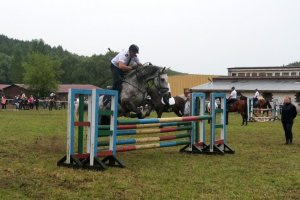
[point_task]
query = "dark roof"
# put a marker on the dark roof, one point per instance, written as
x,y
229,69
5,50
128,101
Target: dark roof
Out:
x,y
63,88
22,86
18,85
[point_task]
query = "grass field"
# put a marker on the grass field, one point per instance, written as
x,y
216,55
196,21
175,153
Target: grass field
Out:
x,y
262,168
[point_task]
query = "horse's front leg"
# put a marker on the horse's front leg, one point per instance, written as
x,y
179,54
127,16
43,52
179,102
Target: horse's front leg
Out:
x,y
149,110
243,119
159,113
227,117
131,107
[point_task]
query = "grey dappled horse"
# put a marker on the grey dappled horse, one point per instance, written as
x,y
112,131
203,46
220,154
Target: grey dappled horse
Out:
x,y
137,84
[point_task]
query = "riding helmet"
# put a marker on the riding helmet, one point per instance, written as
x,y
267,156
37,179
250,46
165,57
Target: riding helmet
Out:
x,y
134,48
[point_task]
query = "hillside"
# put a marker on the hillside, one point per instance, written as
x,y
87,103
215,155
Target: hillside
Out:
x,y
74,69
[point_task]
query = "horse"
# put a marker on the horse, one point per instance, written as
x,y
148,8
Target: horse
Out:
x,y
149,80
239,106
263,104
160,108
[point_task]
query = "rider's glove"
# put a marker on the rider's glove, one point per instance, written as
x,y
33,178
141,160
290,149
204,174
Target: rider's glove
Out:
x,y
134,67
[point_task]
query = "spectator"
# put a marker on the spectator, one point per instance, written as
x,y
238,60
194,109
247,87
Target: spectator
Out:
x,y
36,102
208,108
3,102
16,102
288,114
30,102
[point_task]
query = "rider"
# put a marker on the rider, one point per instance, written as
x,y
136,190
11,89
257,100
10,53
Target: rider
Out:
x,y
255,98
123,62
232,97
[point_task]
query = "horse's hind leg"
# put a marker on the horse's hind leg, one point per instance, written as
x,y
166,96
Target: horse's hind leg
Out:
x,y
243,118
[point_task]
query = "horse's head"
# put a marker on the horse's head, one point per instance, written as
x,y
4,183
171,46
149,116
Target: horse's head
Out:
x,y
263,103
161,81
155,78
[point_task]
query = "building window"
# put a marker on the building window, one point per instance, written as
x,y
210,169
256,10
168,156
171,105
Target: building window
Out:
x,y
277,74
241,74
269,74
254,74
248,74
293,73
262,74
233,74
285,73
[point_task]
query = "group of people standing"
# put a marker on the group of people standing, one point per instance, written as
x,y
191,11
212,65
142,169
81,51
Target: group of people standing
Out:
x,y
288,113
25,103
3,102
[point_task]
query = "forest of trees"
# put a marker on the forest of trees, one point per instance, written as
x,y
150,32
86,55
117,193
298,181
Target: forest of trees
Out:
x,y
42,67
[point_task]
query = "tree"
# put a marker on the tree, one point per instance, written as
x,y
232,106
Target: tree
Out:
x,y
5,62
41,73
296,63
16,70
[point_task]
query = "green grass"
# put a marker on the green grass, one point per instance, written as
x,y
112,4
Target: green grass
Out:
x,y
262,167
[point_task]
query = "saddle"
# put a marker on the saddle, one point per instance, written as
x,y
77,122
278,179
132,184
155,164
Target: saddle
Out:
x,y
230,104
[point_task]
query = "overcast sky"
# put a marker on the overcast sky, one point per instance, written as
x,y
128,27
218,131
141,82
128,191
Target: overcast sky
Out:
x,y
191,36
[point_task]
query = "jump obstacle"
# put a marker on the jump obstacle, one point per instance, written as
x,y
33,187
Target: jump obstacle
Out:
x,y
251,110
103,142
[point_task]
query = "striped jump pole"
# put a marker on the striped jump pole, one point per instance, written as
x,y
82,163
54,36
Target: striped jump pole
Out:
x,y
161,120
147,139
140,126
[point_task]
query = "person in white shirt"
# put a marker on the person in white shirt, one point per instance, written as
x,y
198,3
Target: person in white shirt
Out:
x,y
208,105
232,96
208,108
123,62
255,98
256,95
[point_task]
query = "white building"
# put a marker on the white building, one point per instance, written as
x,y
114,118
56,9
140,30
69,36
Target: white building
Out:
x,y
271,82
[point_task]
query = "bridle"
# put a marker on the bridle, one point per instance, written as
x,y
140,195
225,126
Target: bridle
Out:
x,y
151,83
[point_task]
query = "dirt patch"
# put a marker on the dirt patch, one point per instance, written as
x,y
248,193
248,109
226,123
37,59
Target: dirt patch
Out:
x,y
52,144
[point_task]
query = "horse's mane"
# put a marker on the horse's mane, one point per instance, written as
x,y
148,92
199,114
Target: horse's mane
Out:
x,y
145,73
264,103
242,97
